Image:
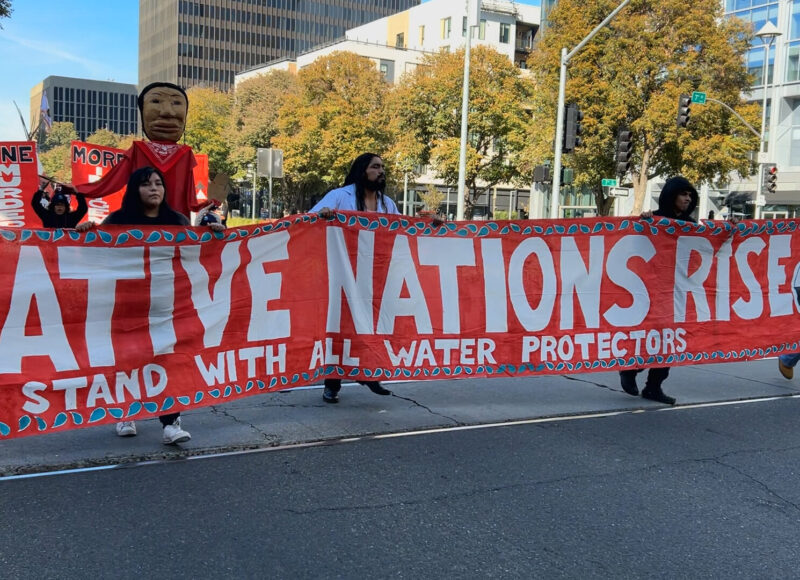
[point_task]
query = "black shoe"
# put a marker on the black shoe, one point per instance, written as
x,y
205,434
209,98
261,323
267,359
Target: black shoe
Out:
x,y
628,381
329,395
376,388
657,395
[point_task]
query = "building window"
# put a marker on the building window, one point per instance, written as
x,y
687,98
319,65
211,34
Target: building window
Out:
x,y
387,70
421,35
482,30
794,147
505,32
400,40
445,28
464,27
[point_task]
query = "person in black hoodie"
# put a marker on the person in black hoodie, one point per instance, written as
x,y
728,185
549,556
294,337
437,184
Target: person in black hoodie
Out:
x,y
678,199
145,204
58,214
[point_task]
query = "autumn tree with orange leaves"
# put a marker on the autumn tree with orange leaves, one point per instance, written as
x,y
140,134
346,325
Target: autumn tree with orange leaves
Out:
x,y
631,74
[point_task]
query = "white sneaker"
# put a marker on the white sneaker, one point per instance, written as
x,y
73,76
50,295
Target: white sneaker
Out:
x,y
174,434
126,428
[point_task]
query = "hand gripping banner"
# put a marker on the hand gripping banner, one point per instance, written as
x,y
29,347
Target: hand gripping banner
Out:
x,y
124,322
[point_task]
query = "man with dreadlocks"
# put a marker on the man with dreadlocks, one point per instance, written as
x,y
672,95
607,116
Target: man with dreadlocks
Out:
x,y
362,191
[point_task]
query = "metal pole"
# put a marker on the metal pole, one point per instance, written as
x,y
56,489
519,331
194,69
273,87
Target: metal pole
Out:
x,y
555,197
405,192
462,157
254,193
269,211
763,148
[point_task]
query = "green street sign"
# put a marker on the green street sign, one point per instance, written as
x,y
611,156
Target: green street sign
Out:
x,y
699,98
609,183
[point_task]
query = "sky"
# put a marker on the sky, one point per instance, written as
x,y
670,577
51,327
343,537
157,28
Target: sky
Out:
x,y
88,39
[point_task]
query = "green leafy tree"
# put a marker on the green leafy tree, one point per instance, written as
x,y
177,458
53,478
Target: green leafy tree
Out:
x,y
108,138
5,9
338,112
207,127
54,153
427,118
631,75
256,104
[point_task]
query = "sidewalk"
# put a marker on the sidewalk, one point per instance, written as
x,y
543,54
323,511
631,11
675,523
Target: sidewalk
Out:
x,y
300,415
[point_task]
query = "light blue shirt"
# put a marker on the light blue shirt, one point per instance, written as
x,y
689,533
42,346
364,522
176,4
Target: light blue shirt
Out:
x,y
344,198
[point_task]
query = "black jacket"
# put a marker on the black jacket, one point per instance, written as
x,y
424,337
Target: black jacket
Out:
x,y
666,200
132,213
51,219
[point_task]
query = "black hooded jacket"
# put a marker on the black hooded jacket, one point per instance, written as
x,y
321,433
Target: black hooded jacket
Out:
x,y
131,213
51,219
666,200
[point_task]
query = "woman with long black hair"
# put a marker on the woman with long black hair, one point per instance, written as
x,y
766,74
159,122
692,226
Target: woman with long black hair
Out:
x,y
145,204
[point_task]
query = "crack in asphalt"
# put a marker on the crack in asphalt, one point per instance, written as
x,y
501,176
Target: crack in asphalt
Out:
x,y
269,437
428,409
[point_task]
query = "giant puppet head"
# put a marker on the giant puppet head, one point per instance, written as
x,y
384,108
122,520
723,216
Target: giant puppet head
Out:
x,y
163,107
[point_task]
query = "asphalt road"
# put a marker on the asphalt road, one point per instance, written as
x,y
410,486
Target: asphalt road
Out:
x,y
705,492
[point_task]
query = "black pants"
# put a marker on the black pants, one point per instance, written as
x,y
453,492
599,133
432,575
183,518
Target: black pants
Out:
x,y
168,419
654,376
335,385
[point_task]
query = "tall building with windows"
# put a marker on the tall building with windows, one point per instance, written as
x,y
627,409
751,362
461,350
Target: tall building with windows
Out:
x,y
87,104
398,43
206,42
782,129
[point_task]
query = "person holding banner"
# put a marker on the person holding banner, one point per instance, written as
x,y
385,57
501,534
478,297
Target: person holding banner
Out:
x,y
362,191
57,214
145,204
678,199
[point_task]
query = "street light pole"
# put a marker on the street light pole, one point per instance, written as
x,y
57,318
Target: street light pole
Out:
x,y
555,196
768,33
462,157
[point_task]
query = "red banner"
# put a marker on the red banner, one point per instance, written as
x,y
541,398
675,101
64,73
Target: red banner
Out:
x,y
19,179
130,323
91,162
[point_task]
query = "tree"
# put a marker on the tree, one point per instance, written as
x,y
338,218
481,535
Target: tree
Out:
x,y
5,9
207,127
54,153
338,112
427,118
631,74
108,138
256,104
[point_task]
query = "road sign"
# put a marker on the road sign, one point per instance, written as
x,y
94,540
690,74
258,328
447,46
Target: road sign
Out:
x,y
269,162
609,183
699,98
619,192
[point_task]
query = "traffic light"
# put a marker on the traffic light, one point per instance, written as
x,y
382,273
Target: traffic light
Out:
x,y
623,151
572,128
683,110
770,178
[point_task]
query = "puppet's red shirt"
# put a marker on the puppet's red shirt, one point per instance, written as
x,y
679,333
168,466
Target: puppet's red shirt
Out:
x,y
175,161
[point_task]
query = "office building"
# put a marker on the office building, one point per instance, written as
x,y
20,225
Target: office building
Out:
x,y
782,130
87,104
206,42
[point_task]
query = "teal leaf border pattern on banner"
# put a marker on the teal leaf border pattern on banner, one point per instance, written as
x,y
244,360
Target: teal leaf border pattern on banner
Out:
x,y
234,391
410,226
